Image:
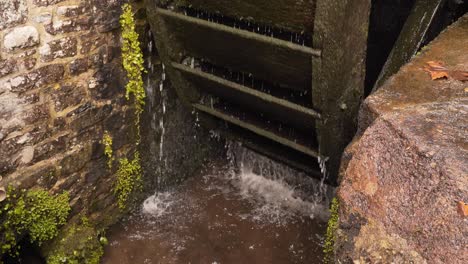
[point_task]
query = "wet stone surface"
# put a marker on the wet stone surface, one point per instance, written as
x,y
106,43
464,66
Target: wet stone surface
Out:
x,y
407,169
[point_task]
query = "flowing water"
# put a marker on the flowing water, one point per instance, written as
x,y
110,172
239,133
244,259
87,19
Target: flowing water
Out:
x,y
250,210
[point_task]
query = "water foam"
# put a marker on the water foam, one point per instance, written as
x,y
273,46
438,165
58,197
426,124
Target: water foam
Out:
x,y
279,193
158,204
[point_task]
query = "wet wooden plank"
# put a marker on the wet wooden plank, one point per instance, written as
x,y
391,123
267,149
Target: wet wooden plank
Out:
x,y
411,37
169,50
340,31
257,130
276,108
293,15
268,58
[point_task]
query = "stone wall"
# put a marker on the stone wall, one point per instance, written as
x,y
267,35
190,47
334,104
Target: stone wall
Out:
x,y
61,86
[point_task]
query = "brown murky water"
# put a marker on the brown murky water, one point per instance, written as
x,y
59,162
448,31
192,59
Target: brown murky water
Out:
x,y
220,218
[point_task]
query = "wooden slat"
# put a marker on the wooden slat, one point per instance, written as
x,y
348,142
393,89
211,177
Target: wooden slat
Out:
x,y
411,37
257,130
278,109
293,15
272,153
340,28
265,57
266,147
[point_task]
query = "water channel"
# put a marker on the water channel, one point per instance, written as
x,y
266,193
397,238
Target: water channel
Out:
x,y
248,209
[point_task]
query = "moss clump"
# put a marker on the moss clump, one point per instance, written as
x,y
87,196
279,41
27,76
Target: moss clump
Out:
x,y
133,63
76,244
129,180
329,247
107,142
35,213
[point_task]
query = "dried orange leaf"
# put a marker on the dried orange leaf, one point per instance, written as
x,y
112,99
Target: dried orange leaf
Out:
x,y
437,70
435,75
437,65
463,209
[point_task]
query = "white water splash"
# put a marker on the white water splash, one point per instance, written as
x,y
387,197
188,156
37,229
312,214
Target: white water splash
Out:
x,y
280,193
158,204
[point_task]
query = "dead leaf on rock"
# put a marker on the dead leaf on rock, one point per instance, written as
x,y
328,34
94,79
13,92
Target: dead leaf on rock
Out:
x,y
463,209
437,70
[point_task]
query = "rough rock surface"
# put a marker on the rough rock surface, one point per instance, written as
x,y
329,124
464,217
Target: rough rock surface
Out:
x,y
407,168
21,37
12,12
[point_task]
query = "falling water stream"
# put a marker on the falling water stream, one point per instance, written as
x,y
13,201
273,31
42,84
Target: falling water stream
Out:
x,y
246,209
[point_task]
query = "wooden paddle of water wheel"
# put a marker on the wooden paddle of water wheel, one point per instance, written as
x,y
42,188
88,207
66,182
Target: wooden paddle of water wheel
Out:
x,y
284,76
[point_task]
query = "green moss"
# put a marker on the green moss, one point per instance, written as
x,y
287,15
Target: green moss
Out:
x,y
330,238
107,142
35,213
76,244
133,63
129,180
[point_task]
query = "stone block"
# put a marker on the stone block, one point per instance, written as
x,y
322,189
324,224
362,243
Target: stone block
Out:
x,y
7,67
76,160
69,25
90,134
107,20
44,176
46,2
66,96
58,124
88,115
13,12
108,82
8,148
30,98
50,148
28,63
43,76
37,114
44,18
91,41
48,74
18,84
98,59
61,48
78,66
20,38
72,10
96,170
